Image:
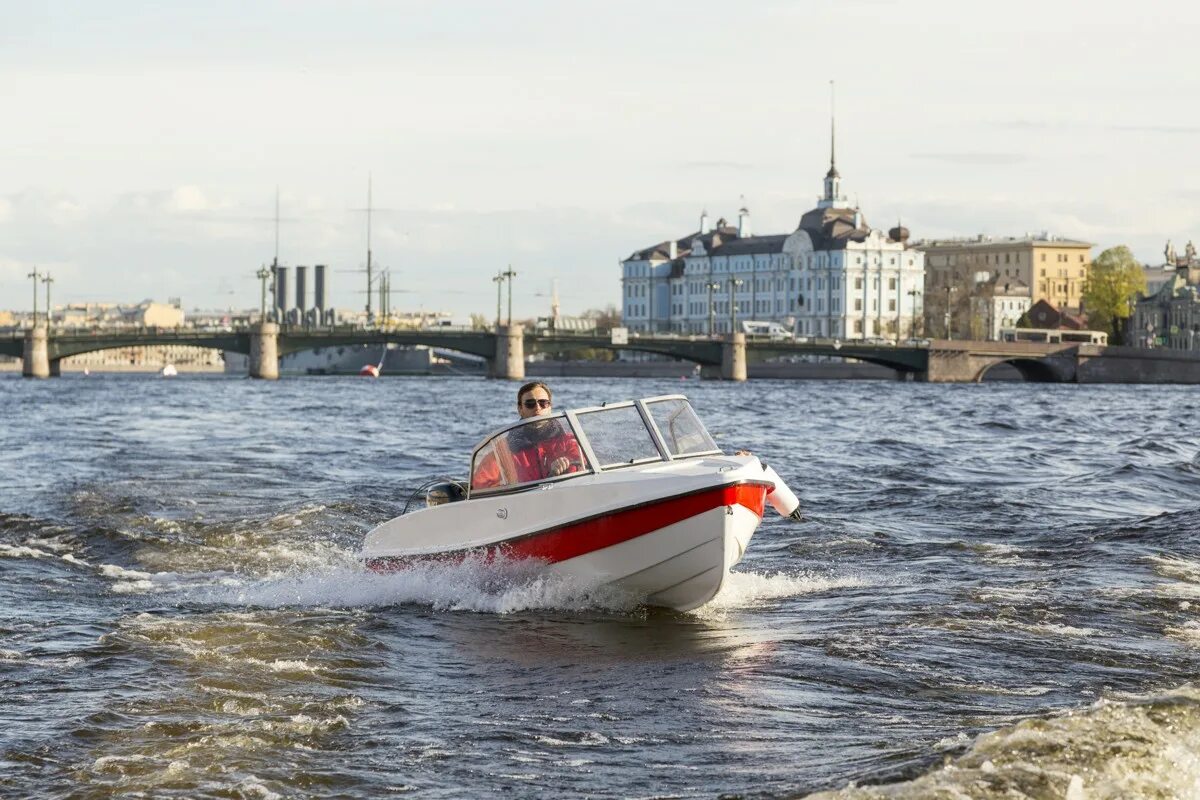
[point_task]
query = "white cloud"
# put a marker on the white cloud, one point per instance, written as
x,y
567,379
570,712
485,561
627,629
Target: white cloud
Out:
x,y
188,198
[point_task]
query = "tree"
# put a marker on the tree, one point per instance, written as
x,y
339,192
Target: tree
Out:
x,y
1113,283
480,322
608,317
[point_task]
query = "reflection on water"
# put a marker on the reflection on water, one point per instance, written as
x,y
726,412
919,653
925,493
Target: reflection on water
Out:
x,y
189,618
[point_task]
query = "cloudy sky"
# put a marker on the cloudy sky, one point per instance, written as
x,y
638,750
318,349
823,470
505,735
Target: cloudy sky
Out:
x,y
141,143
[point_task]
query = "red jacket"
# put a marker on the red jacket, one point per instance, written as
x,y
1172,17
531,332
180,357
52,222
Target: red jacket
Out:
x,y
533,462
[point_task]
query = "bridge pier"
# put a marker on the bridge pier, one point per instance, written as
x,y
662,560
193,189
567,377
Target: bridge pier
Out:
x,y
35,360
509,362
264,351
733,358
733,361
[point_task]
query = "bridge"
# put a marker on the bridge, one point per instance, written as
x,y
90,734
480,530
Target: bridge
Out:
x,y
936,361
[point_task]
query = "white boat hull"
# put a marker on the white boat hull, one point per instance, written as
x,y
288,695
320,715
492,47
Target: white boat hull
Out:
x,y
667,536
686,563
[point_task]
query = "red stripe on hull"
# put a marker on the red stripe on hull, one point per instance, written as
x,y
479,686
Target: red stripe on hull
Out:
x,y
580,538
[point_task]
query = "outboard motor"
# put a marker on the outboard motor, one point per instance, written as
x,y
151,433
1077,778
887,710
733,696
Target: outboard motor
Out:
x,y
781,498
444,492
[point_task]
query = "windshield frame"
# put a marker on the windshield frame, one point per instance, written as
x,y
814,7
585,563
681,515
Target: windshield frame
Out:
x,y
662,440
585,445
491,437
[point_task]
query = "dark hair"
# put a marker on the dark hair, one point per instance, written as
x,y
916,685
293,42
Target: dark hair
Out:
x,y
529,387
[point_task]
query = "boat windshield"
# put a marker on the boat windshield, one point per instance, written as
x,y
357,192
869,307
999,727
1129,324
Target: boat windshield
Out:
x,y
682,431
612,436
618,436
537,450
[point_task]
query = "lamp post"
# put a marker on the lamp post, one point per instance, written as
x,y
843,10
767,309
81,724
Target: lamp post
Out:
x,y
712,287
47,280
499,281
912,327
949,332
262,275
36,276
734,284
509,274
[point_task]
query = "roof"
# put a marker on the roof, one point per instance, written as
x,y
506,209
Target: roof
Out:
x,y
683,246
1009,287
751,245
833,228
982,242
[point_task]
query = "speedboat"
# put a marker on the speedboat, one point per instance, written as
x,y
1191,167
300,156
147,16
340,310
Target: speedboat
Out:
x,y
633,495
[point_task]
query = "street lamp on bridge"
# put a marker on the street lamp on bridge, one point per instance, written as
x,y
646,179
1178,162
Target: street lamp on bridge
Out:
x,y
509,274
262,275
734,284
949,318
499,281
712,287
47,280
35,275
912,326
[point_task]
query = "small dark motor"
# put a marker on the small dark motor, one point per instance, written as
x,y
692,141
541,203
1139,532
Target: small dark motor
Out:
x,y
444,492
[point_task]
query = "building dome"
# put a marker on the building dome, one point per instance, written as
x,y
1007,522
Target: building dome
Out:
x,y
898,234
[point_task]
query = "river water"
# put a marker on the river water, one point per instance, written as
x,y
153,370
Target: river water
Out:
x,y
996,594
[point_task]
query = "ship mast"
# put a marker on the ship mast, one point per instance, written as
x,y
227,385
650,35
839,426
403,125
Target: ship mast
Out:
x,y
369,276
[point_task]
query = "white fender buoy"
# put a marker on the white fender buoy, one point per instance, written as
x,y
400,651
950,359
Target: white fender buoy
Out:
x,y
781,498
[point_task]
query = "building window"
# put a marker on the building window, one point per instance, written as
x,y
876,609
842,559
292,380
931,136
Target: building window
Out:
x,y
858,283
891,305
892,284
858,304
1043,256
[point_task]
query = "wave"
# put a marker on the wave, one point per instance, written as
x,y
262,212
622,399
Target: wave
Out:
x,y
474,585
1146,747
497,587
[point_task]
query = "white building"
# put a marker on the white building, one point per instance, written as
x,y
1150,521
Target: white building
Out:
x,y
834,276
1004,302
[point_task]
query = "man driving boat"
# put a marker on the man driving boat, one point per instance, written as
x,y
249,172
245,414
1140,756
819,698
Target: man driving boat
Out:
x,y
540,449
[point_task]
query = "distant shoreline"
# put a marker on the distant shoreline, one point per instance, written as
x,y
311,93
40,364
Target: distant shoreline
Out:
x,y
545,369
132,369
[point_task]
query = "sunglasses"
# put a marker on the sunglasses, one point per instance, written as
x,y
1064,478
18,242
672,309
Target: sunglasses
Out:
x,y
532,404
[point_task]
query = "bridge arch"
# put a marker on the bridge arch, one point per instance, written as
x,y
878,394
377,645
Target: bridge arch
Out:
x,y
1032,370
477,344
69,347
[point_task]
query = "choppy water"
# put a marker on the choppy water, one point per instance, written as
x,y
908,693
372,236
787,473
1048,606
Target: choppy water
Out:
x,y
996,595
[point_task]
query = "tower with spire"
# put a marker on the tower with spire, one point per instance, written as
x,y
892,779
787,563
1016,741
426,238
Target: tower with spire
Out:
x,y
833,197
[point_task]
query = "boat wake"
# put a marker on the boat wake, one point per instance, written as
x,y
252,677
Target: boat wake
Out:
x,y
476,585
753,589
473,585
496,587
